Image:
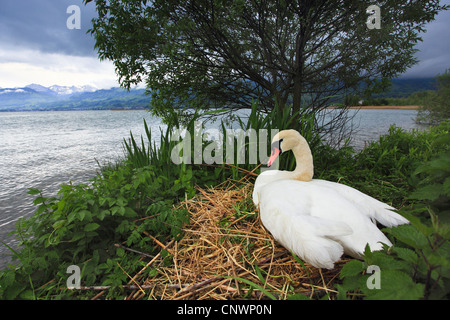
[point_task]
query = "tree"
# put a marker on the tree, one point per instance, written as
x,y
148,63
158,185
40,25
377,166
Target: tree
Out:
x,y
227,53
436,105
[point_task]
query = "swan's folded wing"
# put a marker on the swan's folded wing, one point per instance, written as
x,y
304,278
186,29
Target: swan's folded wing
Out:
x,y
313,239
371,207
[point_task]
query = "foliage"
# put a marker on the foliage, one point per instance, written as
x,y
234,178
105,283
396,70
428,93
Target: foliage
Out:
x,y
227,53
383,168
436,107
418,98
418,265
82,225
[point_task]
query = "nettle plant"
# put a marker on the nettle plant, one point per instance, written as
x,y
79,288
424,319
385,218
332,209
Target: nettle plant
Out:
x,y
83,224
418,265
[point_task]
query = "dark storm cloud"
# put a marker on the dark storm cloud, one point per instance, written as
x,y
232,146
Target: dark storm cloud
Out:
x,y
434,51
41,25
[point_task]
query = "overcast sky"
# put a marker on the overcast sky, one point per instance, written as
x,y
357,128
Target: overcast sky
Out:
x,y
37,47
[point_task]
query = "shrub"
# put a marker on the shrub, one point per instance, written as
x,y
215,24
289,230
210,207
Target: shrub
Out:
x,y
81,227
418,265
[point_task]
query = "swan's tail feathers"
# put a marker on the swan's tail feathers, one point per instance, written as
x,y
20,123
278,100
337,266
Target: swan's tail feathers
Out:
x,y
389,218
368,205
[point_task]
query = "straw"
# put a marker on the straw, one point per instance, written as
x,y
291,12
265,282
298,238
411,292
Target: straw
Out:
x,y
226,253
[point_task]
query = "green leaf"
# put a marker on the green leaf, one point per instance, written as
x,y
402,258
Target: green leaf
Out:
x,y
33,191
298,296
91,227
101,215
58,224
439,164
385,261
446,186
394,285
39,200
429,192
352,268
28,295
406,254
120,252
77,236
410,235
82,214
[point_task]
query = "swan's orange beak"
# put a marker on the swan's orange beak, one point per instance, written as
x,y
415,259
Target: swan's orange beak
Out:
x,y
273,156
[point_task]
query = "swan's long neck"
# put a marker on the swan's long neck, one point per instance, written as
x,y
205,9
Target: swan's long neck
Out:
x,y
304,170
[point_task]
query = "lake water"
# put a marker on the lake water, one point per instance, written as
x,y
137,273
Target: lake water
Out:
x,y
46,149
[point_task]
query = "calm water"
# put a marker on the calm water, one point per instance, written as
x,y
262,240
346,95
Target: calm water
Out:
x,y
46,149
371,123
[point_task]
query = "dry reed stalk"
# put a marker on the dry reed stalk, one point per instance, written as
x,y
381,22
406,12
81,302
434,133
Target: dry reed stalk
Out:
x,y
224,244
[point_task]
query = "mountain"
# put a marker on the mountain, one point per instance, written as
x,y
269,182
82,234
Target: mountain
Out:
x,y
35,97
64,90
402,88
39,88
52,90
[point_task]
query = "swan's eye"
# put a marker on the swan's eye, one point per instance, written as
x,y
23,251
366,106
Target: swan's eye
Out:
x,y
276,150
276,145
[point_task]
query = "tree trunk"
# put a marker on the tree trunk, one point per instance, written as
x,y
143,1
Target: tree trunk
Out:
x,y
298,80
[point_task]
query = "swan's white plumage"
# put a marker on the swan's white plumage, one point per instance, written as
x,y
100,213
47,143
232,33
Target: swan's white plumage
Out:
x,y
320,220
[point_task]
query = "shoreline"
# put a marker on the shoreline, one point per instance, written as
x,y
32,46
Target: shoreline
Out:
x,y
145,109
381,107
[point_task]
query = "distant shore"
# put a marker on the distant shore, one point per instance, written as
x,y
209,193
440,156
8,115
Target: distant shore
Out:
x,y
382,107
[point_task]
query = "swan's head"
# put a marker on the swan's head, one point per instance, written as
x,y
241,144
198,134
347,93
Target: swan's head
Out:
x,y
283,141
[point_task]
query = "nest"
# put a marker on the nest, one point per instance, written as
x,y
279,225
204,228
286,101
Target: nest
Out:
x,y
226,253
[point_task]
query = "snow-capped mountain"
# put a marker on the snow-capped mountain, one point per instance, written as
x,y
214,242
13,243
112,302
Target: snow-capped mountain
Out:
x,y
38,88
36,93
12,90
52,90
35,97
65,90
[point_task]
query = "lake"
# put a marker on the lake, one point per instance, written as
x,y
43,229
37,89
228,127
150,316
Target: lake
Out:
x,y
46,149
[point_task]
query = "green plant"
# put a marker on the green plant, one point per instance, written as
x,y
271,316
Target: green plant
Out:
x,y
436,107
383,168
418,265
81,227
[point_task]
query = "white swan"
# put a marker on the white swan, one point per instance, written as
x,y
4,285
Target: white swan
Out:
x,y
317,219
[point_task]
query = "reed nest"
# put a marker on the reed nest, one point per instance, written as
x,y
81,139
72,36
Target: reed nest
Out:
x,y
226,253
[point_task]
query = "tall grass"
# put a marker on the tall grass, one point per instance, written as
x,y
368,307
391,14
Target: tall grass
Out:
x,y
141,154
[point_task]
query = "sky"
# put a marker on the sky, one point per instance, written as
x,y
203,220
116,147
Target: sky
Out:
x,y
36,46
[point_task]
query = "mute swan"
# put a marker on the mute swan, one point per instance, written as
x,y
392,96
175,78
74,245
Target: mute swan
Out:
x,y
317,219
